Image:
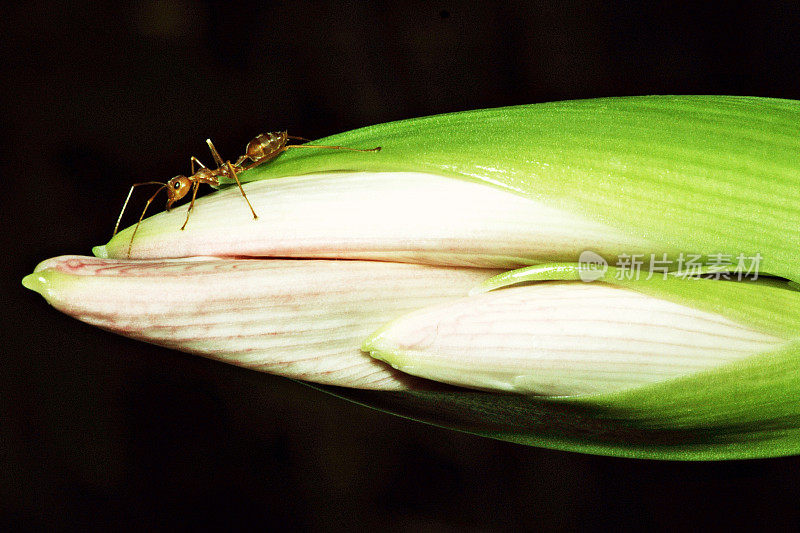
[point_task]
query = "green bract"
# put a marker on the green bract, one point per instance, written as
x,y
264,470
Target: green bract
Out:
x,y
748,408
699,174
670,176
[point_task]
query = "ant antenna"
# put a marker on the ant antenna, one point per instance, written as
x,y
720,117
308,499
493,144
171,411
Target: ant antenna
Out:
x,y
130,192
130,244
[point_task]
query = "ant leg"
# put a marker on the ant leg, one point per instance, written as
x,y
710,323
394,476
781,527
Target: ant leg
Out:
x,y
130,192
233,173
191,205
376,149
298,138
217,158
262,160
241,160
130,244
194,160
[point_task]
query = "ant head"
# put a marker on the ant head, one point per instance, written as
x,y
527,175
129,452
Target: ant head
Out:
x,y
177,188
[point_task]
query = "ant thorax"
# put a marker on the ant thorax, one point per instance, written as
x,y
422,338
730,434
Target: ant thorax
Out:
x,y
209,176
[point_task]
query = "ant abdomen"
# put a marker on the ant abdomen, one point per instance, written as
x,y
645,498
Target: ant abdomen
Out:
x,y
266,145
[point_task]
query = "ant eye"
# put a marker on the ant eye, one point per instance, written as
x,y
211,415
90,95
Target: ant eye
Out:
x,y
176,185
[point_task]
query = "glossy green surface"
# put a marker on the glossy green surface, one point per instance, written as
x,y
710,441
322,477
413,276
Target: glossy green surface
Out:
x,y
699,174
747,409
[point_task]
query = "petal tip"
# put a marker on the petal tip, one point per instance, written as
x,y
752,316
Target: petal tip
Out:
x,y
49,283
35,282
377,347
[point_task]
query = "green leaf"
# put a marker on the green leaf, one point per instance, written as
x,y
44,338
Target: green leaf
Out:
x,y
742,411
699,174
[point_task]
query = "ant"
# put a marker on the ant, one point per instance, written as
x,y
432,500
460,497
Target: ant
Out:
x,y
261,149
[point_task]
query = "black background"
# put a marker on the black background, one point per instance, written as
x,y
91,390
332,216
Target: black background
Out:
x,y
98,430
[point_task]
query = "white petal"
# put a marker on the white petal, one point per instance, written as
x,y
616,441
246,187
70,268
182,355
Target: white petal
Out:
x,y
395,216
562,339
303,319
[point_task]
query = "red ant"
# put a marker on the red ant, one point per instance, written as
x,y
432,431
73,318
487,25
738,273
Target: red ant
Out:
x,y
263,148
